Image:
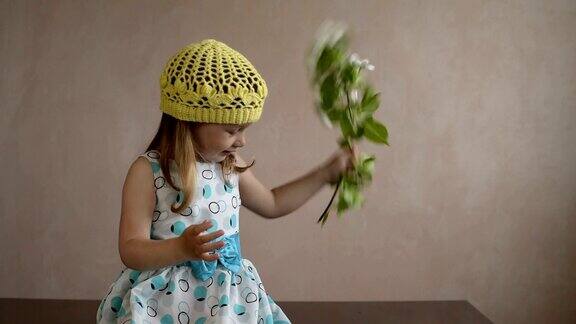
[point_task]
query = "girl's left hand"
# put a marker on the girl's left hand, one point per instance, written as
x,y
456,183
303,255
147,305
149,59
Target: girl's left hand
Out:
x,y
342,160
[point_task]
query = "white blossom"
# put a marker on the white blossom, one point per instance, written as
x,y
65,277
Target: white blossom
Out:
x,y
354,95
355,59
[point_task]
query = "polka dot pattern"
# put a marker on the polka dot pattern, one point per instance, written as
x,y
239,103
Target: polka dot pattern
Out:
x,y
173,294
214,199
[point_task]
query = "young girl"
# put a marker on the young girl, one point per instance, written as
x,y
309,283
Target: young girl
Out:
x,y
179,226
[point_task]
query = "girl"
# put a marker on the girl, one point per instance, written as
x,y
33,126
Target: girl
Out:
x,y
179,226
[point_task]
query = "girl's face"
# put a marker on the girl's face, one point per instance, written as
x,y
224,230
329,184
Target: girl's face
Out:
x,y
215,141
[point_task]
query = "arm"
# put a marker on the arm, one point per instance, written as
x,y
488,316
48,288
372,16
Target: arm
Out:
x,y
281,200
137,250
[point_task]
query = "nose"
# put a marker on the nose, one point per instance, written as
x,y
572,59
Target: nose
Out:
x,y
240,141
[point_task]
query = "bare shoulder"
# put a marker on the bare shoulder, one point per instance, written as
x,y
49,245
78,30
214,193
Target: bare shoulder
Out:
x,y
138,203
138,191
141,171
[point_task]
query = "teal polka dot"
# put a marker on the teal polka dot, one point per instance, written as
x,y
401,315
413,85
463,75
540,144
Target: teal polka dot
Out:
x,y
234,221
270,300
116,303
166,319
178,228
207,191
200,293
155,167
138,300
269,319
227,188
224,300
122,311
239,309
158,282
134,276
221,278
171,287
201,320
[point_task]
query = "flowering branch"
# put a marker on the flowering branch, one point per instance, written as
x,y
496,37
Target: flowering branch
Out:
x,y
336,76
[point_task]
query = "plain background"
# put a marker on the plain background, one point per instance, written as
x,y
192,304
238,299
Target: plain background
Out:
x,y
475,198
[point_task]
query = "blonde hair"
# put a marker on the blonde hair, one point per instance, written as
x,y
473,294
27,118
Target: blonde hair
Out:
x,y
174,141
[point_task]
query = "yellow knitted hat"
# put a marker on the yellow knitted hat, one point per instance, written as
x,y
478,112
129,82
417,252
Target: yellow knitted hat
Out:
x,y
213,83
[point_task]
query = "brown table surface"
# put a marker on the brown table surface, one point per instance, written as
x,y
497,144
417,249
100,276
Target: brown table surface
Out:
x,y
16,310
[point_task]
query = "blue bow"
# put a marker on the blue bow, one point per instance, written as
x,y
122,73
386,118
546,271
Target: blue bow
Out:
x,y
230,257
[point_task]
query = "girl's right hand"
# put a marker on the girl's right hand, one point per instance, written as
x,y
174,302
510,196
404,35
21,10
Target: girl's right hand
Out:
x,y
198,246
342,160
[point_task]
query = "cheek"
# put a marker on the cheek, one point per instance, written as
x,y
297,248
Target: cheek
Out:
x,y
224,142
211,143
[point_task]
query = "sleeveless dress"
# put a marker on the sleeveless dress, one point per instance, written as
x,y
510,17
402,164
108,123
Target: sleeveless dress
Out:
x,y
228,290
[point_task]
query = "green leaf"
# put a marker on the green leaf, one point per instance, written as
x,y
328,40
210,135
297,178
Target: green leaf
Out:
x,y
325,60
346,125
365,167
357,123
334,114
360,131
342,205
369,104
357,199
362,116
369,167
341,47
375,131
331,55
372,104
348,194
329,92
349,113
370,100
345,196
350,73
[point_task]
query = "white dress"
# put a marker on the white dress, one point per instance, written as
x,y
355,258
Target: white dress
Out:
x,y
228,290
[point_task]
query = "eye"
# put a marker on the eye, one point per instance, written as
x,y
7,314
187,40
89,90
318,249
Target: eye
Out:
x,y
232,132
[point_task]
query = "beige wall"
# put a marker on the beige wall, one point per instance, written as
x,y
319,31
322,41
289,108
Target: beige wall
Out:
x,y
475,199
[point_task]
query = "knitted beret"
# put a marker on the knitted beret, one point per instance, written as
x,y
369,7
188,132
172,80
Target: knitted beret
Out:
x,y
210,82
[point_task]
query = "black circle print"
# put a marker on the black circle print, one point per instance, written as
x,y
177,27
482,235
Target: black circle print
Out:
x,y
183,317
187,211
153,154
183,284
214,207
152,308
159,182
156,215
207,174
210,281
